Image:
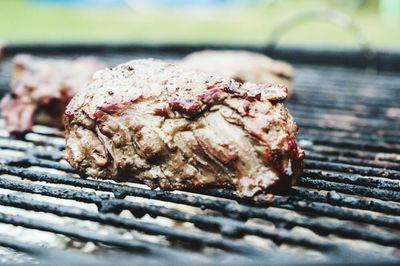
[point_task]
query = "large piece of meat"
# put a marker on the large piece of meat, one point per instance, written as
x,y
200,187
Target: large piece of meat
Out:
x,y
243,66
174,128
41,89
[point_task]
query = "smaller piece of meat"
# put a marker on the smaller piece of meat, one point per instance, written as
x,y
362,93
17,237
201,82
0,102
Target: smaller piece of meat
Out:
x,y
243,66
41,88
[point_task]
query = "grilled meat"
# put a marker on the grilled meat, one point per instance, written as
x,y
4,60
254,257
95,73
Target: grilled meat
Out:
x,y
41,89
243,66
175,128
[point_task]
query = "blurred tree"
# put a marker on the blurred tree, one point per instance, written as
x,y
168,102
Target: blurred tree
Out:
x,y
390,10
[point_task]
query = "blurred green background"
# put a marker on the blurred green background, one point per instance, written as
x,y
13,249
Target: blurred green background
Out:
x,y
28,21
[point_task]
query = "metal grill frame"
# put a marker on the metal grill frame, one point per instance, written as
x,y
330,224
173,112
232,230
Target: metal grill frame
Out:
x,y
338,174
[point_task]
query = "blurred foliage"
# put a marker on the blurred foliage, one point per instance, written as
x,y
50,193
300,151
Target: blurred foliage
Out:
x,y
22,21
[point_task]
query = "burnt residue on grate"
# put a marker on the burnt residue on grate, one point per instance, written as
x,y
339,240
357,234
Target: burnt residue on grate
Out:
x,y
344,209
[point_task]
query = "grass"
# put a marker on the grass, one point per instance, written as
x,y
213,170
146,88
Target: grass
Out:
x,y
21,21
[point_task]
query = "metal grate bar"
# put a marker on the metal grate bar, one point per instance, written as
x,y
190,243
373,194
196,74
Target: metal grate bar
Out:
x,y
225,207
32,161
346,184
378,183
338,199
326,125
355,161
311,164
355,144
340,118
350,189
331,151
321,209
337,135
114,220
362,170
226,226
134,245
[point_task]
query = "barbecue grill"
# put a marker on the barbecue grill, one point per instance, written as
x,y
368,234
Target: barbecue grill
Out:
x,y
344,210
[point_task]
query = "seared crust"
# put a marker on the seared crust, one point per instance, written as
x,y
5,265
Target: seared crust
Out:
x,y
174,128
243,66
42,88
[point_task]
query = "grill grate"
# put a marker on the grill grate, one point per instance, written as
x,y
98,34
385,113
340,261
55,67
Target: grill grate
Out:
x,y
345,208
